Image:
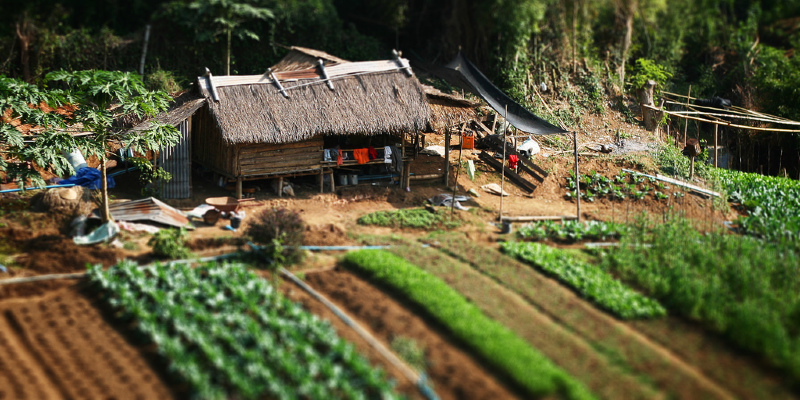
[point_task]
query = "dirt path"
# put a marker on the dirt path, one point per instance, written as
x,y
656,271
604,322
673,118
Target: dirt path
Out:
x,y
453,372
668,371
59,346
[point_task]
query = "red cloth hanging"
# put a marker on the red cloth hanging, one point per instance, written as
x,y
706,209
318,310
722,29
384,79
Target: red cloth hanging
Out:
x,y
361,155
373,154
513,160
339,158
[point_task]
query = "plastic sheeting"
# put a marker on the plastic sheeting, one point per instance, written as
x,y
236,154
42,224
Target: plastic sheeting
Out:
x,y
464,74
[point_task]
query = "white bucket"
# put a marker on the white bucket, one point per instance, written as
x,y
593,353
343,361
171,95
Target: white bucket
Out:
x,y
353,179
342,180
75,158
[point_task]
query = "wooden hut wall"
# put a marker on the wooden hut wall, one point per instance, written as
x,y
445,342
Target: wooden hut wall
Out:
x,y
208,147
272,159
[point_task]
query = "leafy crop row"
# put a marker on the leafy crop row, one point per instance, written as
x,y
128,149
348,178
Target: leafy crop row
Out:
x,y
228,334
504,350
588,280
636,186
572,231
409,218
772,203
742,287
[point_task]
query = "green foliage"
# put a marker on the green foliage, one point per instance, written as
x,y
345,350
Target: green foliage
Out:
x,y
589,281
419,218
149,174
503,350
593,186
746,289
777,79
282,231
672,162
226,333
646,70
772,204
572,231
170,244
161,80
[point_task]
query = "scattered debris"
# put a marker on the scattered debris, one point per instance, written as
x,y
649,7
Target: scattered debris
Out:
x,y
148,209
448,201
103,233
474,192
471,170
433,151
494,188
135,227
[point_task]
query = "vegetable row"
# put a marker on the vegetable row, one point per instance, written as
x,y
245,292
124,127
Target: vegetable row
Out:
x,y
572,231
744,288
591,282
227,333
506,352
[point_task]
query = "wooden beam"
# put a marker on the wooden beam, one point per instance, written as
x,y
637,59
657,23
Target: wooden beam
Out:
x,y
447,158
725,123
532,218
677,183
278,84
513,176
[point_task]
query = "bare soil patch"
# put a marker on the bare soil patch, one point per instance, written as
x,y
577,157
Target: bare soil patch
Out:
x,y
453,372
60,346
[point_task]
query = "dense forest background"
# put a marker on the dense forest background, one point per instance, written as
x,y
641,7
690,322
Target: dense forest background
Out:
x,y
591,53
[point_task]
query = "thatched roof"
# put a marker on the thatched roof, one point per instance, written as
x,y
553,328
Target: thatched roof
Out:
x,y
303,58
368,98
185,104
448,110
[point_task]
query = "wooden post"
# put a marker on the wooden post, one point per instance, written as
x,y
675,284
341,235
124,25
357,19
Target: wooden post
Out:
x,y
280,186
239,187
333,185
321,181
503,171
716,146
646,99
447,157
686,121
577,174
691,168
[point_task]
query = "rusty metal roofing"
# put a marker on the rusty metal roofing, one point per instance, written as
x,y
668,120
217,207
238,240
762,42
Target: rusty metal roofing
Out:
x,y
149,209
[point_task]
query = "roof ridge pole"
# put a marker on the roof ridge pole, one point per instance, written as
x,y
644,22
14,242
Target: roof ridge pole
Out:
x,y
402,63
277,83
325,73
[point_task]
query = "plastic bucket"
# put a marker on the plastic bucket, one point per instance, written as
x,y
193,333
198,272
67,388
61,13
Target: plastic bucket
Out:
x,y
353,179
75,158
342,180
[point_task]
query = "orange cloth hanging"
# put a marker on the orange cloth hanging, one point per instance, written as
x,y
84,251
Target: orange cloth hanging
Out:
x,y
361,155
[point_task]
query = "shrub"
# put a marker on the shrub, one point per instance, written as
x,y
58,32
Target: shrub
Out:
x,y
410,218
281,231
170,243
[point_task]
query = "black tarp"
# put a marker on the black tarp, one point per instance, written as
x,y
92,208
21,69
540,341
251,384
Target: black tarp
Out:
x,y
464,74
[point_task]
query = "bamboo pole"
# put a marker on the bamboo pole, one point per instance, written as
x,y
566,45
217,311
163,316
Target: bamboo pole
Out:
x,y
577,175
716,146
725,123
458,171
503,170
686,123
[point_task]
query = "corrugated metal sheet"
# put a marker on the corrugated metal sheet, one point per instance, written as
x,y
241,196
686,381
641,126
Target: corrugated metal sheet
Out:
x,y
177,161
149,209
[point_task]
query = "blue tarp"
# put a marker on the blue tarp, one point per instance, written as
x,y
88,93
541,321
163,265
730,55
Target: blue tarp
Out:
x,y
90,178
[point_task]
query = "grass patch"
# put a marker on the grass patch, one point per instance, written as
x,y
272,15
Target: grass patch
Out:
x,y
572,231
410,351
419,218
496,344
590,281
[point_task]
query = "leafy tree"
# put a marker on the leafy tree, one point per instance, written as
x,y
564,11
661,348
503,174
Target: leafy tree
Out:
x,y
94,101
212,18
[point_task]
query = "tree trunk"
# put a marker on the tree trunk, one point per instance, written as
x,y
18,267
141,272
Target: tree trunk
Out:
x,y
626,40
228,68
106,211
25,35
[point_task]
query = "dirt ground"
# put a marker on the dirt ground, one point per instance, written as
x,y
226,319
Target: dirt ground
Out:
x,y
52,329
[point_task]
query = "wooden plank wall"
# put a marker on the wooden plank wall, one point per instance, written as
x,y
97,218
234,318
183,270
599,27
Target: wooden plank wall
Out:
x,y
270,159
208,148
